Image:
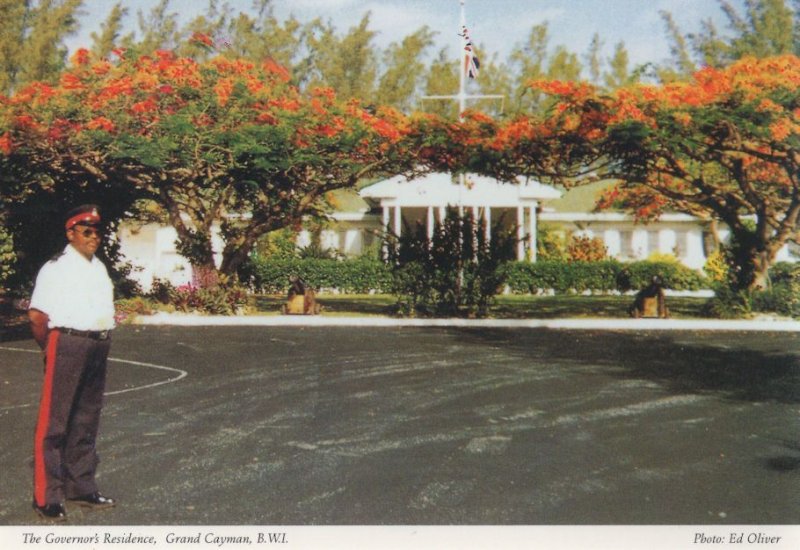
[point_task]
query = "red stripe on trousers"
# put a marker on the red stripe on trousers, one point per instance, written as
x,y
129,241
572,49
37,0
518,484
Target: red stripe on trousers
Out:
x,y
43,423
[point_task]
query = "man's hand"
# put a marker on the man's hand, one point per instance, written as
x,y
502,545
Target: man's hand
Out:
x,y
39,320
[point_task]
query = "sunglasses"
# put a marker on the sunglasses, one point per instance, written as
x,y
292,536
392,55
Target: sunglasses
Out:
x,y
89,232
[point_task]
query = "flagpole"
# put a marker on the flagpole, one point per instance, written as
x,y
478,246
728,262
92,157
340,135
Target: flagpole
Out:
x,y
462,94
462,81
465,51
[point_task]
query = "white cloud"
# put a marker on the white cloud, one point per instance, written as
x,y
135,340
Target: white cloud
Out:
x,y
395,21
323,5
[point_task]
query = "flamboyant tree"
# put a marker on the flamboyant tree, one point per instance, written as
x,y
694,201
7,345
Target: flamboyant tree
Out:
x,y
225,142
723,146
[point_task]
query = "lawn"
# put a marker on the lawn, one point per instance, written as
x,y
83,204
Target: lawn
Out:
x,y
506,307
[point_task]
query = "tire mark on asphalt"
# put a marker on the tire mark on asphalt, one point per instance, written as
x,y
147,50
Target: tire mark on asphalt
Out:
x,y
472,434
181,374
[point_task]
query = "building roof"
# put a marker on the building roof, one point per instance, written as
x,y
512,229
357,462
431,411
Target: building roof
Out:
x,y
581,198
439,189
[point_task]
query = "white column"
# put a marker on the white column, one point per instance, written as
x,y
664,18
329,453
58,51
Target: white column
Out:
x,y
694,256
667,241
639,244
613,241
487,216
398,223
385,217
520,233
430,222
442,213
385,227
532,236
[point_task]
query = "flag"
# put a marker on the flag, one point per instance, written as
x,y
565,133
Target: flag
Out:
x,y
471,62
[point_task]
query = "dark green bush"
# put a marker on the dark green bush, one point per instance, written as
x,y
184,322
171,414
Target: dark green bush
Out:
x,y
675,275
782,297
456,272
729,303
359,276
577,277
562,277
784,272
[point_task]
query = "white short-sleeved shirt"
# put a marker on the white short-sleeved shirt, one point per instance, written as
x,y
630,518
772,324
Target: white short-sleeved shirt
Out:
x,y
75,293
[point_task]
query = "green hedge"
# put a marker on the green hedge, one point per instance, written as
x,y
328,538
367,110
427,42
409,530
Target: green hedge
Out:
x,y
605,276
784,273
676,276
361,276
562,277
358,276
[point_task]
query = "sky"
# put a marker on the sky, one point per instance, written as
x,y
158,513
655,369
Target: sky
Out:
x,y
496,26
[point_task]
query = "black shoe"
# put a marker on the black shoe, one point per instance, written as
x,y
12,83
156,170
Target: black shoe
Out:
x,y
94,500
52,512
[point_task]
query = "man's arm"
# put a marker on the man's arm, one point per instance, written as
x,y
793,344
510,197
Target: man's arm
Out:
x,y
39,320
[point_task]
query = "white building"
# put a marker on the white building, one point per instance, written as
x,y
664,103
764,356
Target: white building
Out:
x,y
398,203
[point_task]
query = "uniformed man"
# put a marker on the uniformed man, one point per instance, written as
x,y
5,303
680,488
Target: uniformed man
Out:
x,y
72,315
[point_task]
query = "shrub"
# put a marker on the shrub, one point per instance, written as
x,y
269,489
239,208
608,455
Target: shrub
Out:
x,y
225,298
365,275
127,308
586,249
716,266
457,272
784,273
605,276
675,275
7,255
562,277
784,295
551,244
359,276
729,303
782,298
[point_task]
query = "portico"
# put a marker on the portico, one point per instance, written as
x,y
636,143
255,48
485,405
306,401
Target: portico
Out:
x,y
427,199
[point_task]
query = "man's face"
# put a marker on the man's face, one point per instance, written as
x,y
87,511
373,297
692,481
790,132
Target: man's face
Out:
x,y
85,239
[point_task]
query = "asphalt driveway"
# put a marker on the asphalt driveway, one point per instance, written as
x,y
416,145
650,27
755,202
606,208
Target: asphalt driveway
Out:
x,y
430,426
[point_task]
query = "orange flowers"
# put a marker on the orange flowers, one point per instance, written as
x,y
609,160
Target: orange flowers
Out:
x,y
202,40
70,81
149,96
147,106
25,122
81,57
782,129
285,104
100,123
223,88
6,145
275,68
567,89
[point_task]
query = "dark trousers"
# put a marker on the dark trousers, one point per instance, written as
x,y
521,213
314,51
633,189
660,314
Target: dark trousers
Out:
x,y
65,457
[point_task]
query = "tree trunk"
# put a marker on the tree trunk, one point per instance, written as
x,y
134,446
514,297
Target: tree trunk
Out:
x,y
232,259
205,275
761,267
751,269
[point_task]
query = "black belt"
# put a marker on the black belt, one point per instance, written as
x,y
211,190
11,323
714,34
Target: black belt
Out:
x,y
93,334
